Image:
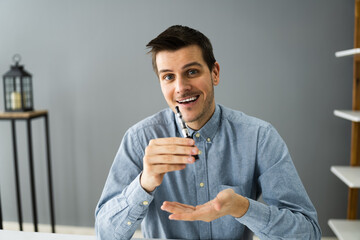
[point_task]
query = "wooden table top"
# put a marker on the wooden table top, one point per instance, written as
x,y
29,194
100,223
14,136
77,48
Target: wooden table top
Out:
x,y
22,115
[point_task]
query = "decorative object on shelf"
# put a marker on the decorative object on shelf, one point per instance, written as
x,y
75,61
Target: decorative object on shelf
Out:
x,y
18,92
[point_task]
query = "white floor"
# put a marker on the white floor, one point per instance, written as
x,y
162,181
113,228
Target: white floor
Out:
x,y
29,227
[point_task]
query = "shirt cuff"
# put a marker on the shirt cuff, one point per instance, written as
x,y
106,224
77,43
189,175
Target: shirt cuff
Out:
x,y
257,216
138,197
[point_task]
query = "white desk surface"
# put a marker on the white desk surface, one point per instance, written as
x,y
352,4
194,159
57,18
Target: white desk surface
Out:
x,y
19,235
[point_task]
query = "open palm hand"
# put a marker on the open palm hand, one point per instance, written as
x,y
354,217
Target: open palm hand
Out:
x,y
227,202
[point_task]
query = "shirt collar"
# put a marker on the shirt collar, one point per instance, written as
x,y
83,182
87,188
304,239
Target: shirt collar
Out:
x,y
209,129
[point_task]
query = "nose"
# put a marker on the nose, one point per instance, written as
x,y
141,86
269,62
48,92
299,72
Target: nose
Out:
x,y
182,85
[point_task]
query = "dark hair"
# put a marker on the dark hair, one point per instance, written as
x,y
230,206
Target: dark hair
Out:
x,y
176,37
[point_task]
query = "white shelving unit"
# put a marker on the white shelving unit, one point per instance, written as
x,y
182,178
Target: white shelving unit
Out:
x,y
349,175
349,229
350,115
349,52
345,229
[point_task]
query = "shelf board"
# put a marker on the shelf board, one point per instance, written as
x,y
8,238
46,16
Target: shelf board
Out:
x,y
353,116
349,175
349,52
345,229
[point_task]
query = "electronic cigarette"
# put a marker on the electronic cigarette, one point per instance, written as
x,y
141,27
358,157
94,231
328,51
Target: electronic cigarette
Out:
x,y
184,129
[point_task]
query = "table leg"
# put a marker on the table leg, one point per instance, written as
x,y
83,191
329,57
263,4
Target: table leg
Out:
x,y
32,178
1,219
16,169
52,210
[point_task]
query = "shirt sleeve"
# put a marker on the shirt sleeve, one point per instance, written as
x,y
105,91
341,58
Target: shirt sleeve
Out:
x,y
123,203
287,212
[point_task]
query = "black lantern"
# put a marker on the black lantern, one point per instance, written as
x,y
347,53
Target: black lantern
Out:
x,y
18,93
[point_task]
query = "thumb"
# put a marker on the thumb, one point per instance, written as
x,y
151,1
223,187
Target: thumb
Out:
x,y
217,204
223,198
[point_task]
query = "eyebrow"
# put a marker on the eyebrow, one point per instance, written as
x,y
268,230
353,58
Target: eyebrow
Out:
x,y
184,67
191,64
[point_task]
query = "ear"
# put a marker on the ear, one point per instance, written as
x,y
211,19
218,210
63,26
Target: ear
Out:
x,y
215,72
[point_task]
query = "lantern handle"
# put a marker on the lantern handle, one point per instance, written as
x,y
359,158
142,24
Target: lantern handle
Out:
x,y
16,58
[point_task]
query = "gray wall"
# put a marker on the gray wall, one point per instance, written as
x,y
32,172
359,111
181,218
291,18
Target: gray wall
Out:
x,y
91,71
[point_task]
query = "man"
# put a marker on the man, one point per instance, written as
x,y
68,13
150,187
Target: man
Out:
x,y
156,181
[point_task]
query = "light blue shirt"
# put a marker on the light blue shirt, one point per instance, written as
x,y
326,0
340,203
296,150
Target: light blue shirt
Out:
x,y
238,152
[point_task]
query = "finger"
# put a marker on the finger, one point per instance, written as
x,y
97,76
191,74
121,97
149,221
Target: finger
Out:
x,y
171,149
181,205
183,217
204,212
194,216
175,207
165,168
172,141
170,159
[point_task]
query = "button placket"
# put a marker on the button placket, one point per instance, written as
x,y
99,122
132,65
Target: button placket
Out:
x,y
202,186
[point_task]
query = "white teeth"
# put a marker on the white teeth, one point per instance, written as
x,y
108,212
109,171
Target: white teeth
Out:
x,y
188,100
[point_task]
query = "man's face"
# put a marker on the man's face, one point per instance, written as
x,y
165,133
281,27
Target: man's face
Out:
x,y
187,82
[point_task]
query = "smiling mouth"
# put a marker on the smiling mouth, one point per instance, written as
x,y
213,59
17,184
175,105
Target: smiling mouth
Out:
x,y
188,100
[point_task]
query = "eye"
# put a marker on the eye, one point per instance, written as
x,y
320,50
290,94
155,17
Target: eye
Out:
x,y
168,77
193,72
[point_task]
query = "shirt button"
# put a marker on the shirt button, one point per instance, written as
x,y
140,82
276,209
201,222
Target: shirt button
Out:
x,y
145,203
202,184
208,140
199,153
128,223
197,135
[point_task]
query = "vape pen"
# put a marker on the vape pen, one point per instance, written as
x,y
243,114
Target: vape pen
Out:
x,y
184,128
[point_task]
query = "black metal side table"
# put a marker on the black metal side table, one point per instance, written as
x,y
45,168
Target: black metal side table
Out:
x,y
28,116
